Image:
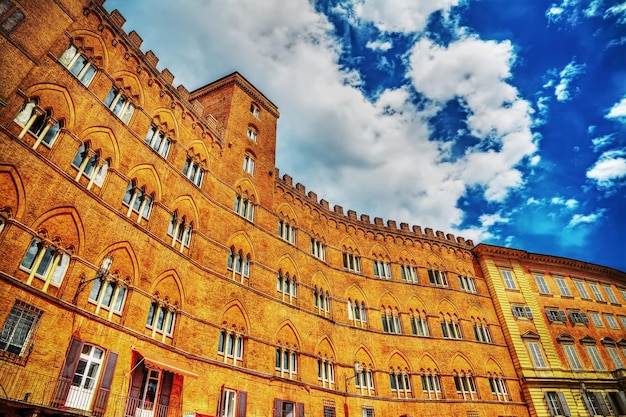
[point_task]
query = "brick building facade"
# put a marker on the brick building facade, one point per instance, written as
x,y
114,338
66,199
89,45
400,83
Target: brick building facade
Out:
x,y
154,263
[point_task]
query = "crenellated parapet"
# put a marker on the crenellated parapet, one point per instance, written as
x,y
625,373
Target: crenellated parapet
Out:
x,y
350,218
178,97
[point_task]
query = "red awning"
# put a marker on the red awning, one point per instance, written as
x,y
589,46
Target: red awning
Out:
x,y
165,365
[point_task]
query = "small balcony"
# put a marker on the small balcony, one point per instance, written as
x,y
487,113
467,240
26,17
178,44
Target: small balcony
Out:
x,y
25,390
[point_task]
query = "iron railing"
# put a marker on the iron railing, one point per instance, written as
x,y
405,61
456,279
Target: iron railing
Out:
x,y
26,387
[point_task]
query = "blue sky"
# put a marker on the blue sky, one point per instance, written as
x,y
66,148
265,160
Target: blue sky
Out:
x,y
504,125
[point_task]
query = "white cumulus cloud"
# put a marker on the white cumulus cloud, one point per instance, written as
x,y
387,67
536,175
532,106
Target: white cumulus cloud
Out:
x,y
618,111
379,45
578,219
609,169
567,75
406,16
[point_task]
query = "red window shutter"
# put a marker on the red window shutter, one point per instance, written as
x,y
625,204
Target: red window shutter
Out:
x,y
278,408
220,402
300,410
67,372
241,403
166,388
102,397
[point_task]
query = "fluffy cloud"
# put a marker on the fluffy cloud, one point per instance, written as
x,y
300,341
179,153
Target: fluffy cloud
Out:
x,y
567,10
602,141
379,45
609,169
618,111
567,75
570,203
474,72
578,219
401,15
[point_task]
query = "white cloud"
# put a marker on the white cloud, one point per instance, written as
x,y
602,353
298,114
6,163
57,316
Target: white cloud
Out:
x,y
578,219
602,141
488,220
618,10
379,45
406,16
618,111
567,11
560,201
593,9
571,70
474,72
609,169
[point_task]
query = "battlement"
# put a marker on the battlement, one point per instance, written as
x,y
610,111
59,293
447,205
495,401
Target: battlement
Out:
x,y
149,61
364,220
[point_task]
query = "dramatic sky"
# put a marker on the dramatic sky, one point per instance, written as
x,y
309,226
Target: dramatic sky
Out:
x,y
499,121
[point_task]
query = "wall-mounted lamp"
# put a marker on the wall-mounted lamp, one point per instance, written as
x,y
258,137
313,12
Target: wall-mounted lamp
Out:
x,y
103,272
358,370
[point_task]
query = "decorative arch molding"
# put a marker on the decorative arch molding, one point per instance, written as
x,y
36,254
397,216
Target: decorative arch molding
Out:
x,y
348,244
428,363
186,206
398,360
93,45
363,355
435,262
125,248
318,231
174,290
325,345
417,302
476,311
462,268
285,210
166,119
103,138
235,308
287,334
451,308
197,147
12,191
355,292
245,187
493,367
131,86
287,264
460,362
64,223
379,250
52,96
318,279
241,240
388,299
147,175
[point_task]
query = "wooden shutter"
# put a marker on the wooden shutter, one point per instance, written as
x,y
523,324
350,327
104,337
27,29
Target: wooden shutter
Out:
x,y
166,388
67,372
300,407
220,402
604,410
278,404
136,380
563,404
587,404
102,397
621,398
241,403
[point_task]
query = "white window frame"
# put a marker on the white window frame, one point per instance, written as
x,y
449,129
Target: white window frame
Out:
x,y
248,164
542,285
580,285
230,346
119,104
408,273
614,356
509,280
609,293
351,262
108,294
138,201
39,123
84,70
326,372
286,231
594,357
238,264
90,164
252,134
46,262
167,323
19,328
244,207
536,355
158,140
194,171
438,278
431,386
596,319
288,362
467,284
318,249
595,290
612,322
498,388
382,269
563,288
572,356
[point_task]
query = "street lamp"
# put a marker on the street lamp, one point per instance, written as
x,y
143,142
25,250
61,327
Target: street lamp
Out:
x,y
102,273
357,372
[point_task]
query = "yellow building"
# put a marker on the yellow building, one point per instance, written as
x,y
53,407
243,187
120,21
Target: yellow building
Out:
x,y
565,323
154,263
